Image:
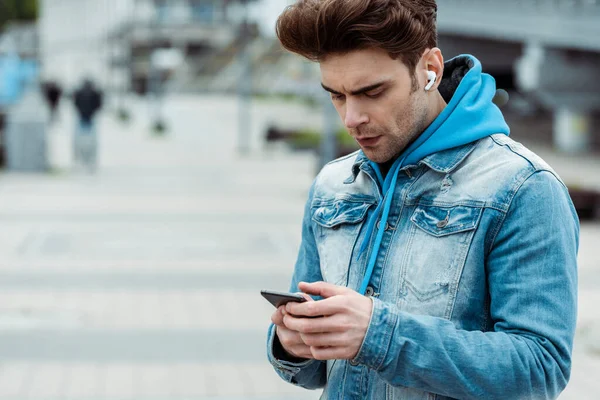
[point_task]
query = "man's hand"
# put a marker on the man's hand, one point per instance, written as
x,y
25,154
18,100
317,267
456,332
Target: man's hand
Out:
x,y
340,326
289,339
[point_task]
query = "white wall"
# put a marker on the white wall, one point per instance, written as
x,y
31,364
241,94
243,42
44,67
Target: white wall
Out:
x,y
73,38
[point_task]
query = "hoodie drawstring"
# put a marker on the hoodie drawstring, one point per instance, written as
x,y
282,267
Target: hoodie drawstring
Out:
x,y
389,186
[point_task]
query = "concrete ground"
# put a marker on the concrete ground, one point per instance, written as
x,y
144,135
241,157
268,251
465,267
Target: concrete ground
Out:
x,y
142,281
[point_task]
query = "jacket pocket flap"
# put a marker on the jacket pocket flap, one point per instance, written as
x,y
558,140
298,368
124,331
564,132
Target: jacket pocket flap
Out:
x,y
332,213
442,221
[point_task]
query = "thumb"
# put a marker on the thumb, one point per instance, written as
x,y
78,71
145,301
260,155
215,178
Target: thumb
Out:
x,y
323,289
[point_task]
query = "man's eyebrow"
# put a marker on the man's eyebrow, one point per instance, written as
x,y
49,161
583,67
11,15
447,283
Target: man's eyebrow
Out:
x,y
362,90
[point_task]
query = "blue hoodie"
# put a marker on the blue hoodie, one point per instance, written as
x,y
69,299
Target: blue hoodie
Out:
x,y
469,116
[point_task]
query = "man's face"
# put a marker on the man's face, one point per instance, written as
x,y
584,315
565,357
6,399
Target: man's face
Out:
x,y
376,100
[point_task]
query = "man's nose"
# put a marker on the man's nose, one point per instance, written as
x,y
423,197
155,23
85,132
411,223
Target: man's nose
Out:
x,y
354,115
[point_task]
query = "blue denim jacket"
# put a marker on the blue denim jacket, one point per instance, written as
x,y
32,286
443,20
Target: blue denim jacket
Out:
x,y
475,286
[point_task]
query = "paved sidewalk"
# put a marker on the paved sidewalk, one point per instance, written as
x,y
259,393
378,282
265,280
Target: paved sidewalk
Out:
x,y
142,281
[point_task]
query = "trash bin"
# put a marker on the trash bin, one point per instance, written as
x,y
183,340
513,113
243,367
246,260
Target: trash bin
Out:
x,y
25,134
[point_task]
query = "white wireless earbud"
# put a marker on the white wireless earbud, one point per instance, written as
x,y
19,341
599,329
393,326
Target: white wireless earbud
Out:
x,y
431,77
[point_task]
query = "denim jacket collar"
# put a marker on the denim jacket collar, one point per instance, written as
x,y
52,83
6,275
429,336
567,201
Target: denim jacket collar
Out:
x,y
444,161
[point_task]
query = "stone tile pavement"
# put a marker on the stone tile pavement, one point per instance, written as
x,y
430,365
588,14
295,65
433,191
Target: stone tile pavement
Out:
x,y
141,282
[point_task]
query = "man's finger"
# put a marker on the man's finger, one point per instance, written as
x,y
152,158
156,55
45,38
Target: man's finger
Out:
x,y
307,297
329,353
301,351
319,308
313,325
335,339
277,316
322,289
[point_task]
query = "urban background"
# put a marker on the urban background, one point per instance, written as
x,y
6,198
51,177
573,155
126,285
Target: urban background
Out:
x,y
155,158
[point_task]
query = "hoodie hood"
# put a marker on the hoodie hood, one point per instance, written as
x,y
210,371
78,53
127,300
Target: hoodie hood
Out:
x,y
470,115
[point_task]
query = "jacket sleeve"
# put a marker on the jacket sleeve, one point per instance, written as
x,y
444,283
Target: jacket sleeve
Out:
x,y
532,277
310,374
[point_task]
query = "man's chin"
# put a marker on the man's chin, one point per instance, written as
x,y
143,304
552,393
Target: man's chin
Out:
x,y
375,156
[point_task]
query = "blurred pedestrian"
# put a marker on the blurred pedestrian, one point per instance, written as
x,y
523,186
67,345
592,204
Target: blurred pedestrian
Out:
x,y
442,255
52,93
88,101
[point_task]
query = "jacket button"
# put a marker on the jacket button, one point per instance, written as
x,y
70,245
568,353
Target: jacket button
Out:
x,y
442,224
353,363
387,226
369,292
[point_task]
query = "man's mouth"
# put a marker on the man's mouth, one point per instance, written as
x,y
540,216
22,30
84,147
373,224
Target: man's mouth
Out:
x,y
368,141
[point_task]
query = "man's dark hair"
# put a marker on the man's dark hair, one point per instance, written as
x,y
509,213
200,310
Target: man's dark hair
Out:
x,y
316,28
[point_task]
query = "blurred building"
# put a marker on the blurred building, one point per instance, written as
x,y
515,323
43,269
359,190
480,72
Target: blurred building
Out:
x,y
179,40
115,41
21,39
546,49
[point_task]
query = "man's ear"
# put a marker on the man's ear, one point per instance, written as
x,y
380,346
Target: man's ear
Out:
x,y
431,66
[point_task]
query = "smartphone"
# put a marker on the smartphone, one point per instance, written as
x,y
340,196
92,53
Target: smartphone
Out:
x,y
281,298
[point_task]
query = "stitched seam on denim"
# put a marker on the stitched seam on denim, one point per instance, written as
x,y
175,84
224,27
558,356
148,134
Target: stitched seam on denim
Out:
x,y
444,233
362,345
451,230
342,197
355,221
352,252
531,164
494,229
424,295
537,168
343,388
459,158
403,265
486,310
441,203
452,165
395,232
514,192
465,203
388,337
387,255
362,380
458,274
380,357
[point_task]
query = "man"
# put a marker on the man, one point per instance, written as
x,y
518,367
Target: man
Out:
x,y
442,255
88,101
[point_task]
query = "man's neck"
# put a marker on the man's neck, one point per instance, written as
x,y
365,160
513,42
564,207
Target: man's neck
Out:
x,y
438,106
385,167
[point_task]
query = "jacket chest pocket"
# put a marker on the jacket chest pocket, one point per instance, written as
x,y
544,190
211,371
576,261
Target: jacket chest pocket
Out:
x,y
337,224
439,242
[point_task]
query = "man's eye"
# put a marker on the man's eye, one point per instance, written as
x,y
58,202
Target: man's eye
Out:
x,y
338,97
374,95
